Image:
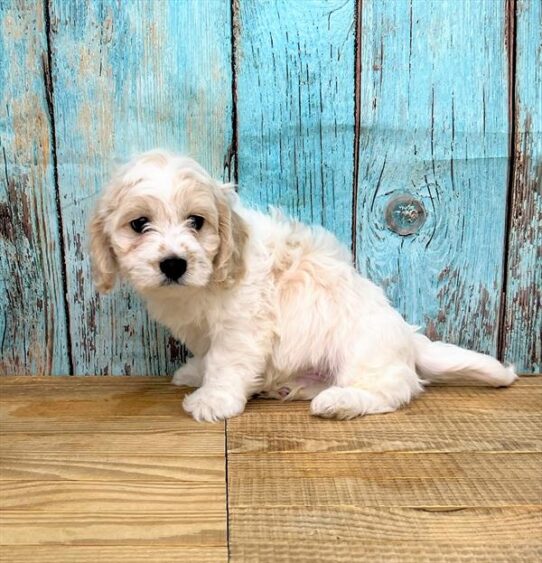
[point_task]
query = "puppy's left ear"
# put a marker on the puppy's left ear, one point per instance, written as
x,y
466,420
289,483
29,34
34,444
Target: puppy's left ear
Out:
x,y
104,263
229,264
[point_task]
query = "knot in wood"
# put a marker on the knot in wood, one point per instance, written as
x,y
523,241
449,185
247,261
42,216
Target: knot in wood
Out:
x,y
405,214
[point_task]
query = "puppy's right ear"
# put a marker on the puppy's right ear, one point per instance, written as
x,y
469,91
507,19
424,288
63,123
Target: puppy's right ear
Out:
x,y
104,263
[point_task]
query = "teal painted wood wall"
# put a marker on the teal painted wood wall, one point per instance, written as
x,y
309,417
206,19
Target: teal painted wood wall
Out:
x,y
327,108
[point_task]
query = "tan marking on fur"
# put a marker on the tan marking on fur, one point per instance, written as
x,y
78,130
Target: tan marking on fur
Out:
x,y
233,232
196,199
104,264
156,158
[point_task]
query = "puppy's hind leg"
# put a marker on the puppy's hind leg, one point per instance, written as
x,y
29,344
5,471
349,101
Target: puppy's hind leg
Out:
x,y
370,391
191,374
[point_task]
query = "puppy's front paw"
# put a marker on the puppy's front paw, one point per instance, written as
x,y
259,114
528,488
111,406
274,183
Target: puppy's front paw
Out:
x,y
190,374
212,405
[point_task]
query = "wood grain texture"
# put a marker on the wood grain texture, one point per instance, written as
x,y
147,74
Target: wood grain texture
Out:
x,y
126,419
396,534
113,554
191,528
110,496
453,477
100,466
184,442
434,124
128,77
33,335
37,382
294,66
70,405
514,524
503,489
372,550
76,469
327,109
477,419
88,381
384,466
522,327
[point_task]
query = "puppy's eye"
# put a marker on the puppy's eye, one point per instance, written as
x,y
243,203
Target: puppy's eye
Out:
x,y
196,221
139,224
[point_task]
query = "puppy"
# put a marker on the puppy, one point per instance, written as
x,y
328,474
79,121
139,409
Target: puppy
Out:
x,y
266,305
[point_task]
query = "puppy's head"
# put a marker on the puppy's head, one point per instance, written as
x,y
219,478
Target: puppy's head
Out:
x,y
163,223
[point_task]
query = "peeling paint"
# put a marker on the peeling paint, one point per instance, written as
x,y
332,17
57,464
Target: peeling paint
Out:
x,y
6,223
522,324
123,77
117,89
33,328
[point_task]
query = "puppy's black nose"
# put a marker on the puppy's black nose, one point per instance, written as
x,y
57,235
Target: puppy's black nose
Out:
x,y
173,268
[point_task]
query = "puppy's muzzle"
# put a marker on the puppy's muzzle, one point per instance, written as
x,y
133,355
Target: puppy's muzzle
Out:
x,y
173,268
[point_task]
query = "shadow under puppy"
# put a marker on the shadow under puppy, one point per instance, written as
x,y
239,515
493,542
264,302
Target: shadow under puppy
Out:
x,y
265,304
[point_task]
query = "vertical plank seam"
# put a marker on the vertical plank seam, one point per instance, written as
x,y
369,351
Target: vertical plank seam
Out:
x,y
49,91
232,158
358,17
510,38
227,489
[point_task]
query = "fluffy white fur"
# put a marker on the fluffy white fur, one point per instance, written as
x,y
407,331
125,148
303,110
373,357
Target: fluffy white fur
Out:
x,y
267,305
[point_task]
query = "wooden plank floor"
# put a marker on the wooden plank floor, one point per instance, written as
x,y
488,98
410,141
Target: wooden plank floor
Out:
x,y
111,469
108,469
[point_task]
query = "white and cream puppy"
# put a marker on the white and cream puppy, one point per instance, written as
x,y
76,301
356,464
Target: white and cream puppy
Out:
x,y
265,304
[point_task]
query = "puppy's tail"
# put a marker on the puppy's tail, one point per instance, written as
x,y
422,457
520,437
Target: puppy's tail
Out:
x,y
437,361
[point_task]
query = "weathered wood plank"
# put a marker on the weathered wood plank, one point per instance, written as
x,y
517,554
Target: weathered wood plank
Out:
x,y
87,381
198,526
476,420
110,496
31,382
373,435
100,466
114,554
128,77
33,335
434,124
113,404
524,488
295,108
477,525
385,466
393,534
450,478
183,442
83,471
304,551
523,307
45,431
